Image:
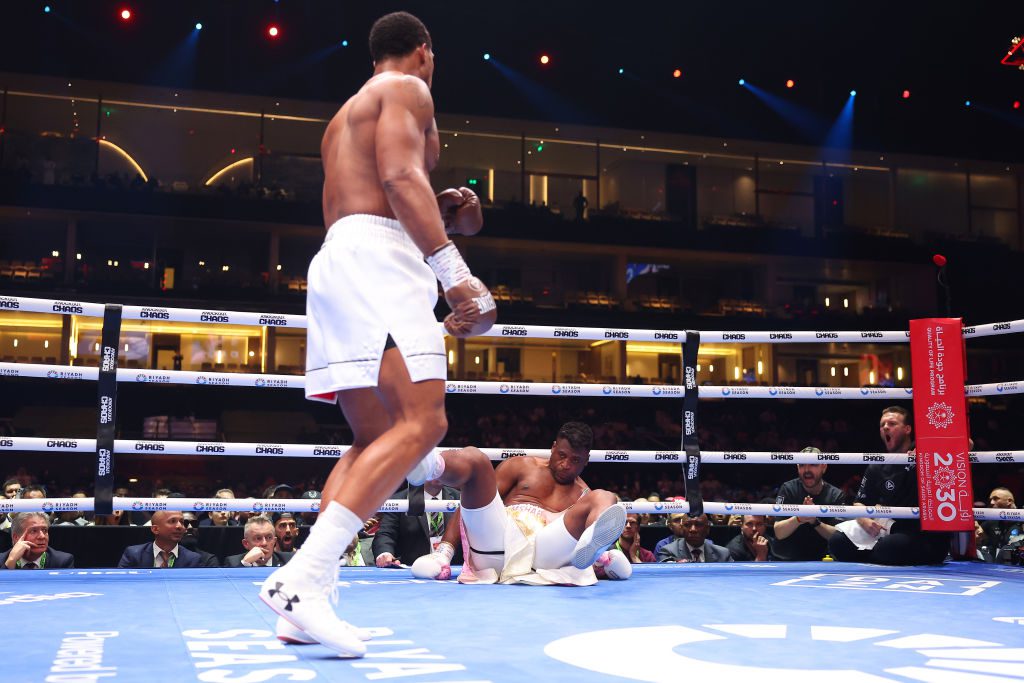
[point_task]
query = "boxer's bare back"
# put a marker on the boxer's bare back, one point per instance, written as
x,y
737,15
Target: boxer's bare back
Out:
x,y
391,110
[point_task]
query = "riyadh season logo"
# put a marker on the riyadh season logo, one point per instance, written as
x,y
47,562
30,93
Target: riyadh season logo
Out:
x,y
52,374
726,391
555,389
940,415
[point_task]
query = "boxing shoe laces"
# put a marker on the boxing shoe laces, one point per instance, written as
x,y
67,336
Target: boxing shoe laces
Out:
x,y
297,595
599,536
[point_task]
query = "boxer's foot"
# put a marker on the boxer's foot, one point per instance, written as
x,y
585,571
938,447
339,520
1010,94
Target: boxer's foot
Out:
x,y
294,636
429,468
301,595
599,536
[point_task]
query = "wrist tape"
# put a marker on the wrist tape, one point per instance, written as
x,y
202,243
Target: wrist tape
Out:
x,y
448,266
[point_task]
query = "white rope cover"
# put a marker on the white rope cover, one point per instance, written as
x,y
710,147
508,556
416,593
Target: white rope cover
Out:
x,y
189,315
266,381
277,450
55,505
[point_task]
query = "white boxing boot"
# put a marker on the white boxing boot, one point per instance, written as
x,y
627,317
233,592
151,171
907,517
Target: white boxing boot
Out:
x,y
599,536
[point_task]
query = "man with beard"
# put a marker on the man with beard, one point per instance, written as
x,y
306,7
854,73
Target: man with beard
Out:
x,y
530,520
806,538
891,486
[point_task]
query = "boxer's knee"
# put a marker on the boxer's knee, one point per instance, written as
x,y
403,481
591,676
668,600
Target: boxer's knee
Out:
x,y
601,499
428,428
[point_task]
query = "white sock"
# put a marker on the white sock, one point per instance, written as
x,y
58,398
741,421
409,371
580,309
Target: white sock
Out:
x,y
331,534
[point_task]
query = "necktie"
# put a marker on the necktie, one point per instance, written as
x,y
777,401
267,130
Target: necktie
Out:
x,y
30,565
696,554
163,560
436,523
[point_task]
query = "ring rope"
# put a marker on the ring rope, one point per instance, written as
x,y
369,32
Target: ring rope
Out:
x,y
267,381
202,316
55,505
279,450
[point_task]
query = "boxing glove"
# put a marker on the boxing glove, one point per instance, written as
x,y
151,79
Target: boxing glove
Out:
x,y
436,565
460,210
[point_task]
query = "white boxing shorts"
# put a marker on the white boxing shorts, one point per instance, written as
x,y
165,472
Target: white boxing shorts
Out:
x,y
367,281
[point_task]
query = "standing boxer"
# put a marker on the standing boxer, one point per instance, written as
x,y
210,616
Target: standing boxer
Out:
x,y
373,345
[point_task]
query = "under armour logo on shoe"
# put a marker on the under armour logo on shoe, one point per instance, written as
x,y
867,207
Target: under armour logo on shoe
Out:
x,y
289,600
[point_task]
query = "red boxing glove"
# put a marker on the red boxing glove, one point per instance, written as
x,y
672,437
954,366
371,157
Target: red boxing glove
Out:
x,y
473,309
460,210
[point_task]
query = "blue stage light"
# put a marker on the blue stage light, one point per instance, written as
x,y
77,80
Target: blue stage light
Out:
x,y
46,9
743,81
853,93
487,56
199,26
344,43
967,103
622,71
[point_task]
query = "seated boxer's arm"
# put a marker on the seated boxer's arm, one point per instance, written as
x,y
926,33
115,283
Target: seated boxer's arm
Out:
x,y
407,112
452,529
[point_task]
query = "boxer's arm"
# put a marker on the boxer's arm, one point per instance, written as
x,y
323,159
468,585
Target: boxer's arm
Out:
x,y
407,111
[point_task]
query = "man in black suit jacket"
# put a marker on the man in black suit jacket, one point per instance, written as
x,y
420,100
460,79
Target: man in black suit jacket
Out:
x,y
402,538
30,532
694,546
164,552
259,542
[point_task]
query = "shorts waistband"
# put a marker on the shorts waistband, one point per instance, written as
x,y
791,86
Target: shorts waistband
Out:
x,y
364,228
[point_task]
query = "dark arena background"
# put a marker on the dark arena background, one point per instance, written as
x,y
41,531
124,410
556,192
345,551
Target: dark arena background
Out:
x,y
793,181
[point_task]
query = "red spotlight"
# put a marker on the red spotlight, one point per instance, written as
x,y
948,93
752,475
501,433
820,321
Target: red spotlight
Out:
x,y
126,14
1016,104
544,59
790,83
677,73
273,31
906,94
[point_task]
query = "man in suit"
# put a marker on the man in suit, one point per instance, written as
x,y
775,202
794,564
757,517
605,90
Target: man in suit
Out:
x,y
259,542
30,532
694,546
402,538
164,552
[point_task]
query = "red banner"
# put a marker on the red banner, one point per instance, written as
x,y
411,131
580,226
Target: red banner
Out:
x,y
940,409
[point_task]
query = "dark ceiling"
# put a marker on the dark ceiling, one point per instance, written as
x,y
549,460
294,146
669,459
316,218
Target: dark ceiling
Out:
x,y
943,52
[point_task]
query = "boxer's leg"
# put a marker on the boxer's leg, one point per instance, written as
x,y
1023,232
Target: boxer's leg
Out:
x,y
417,423
578,537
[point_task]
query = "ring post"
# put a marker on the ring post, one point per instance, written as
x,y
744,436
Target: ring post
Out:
x,y
107,401
691,466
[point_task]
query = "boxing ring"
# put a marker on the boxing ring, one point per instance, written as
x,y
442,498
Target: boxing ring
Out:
x,y
960,622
